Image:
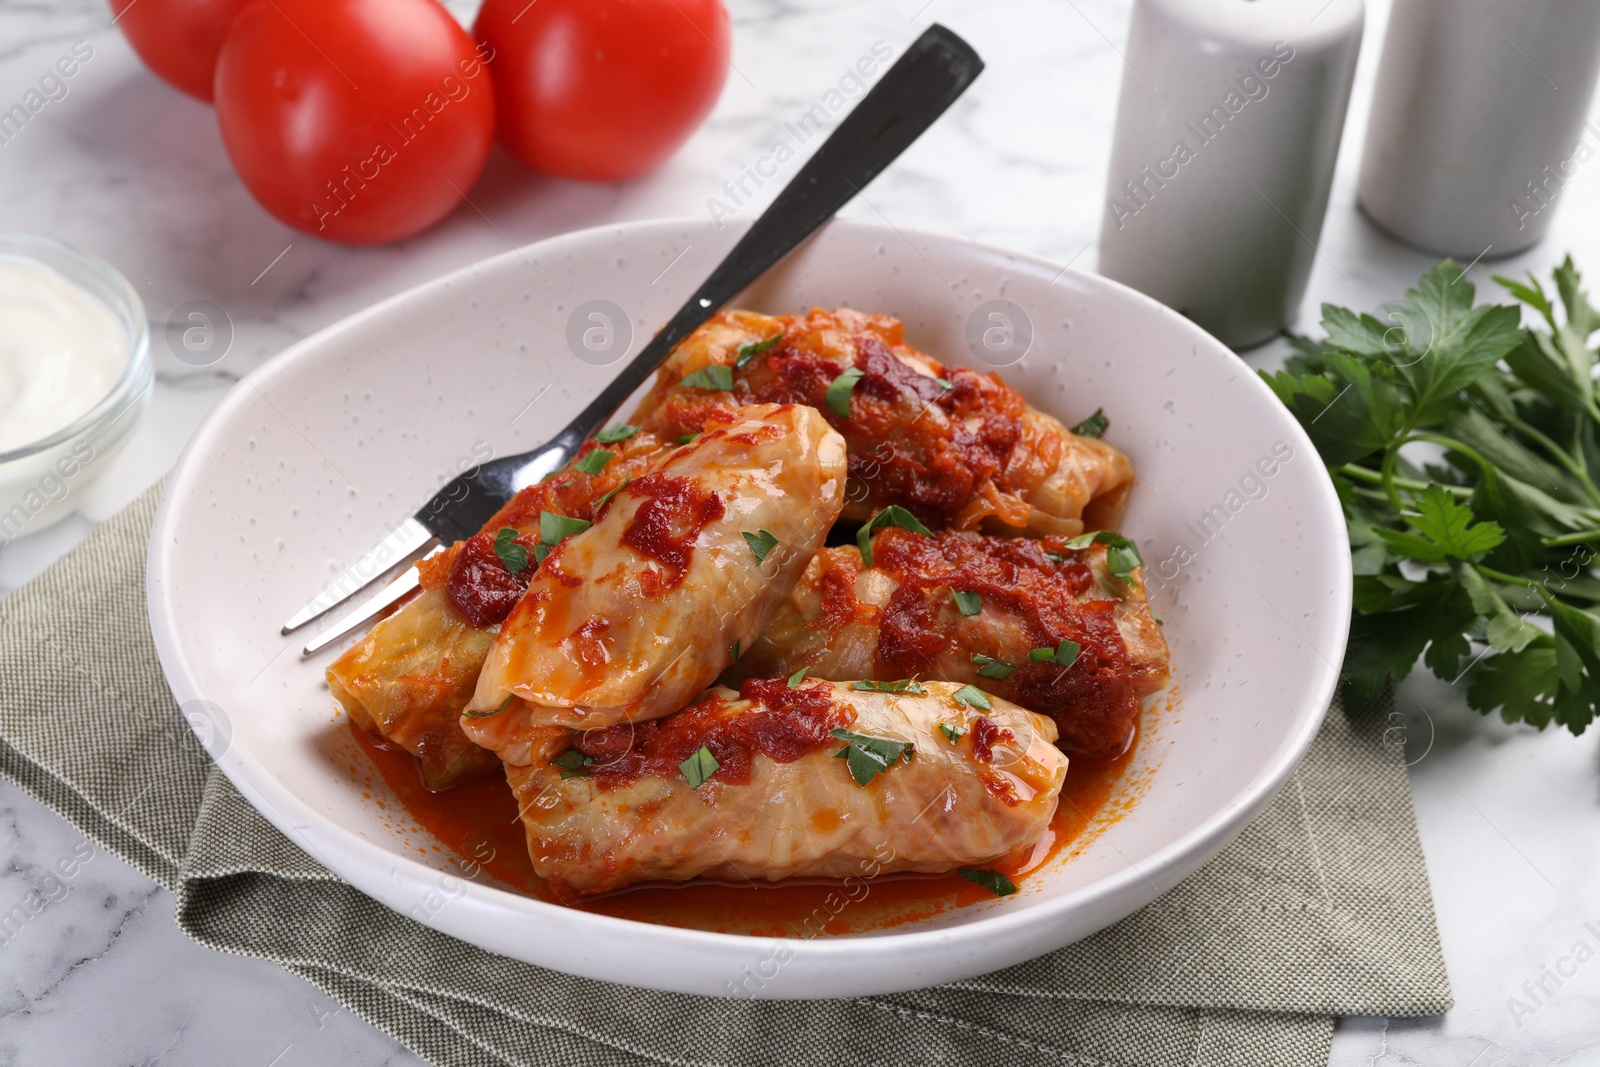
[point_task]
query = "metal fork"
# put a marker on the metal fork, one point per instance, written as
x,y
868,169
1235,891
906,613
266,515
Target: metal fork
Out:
x,y
925,81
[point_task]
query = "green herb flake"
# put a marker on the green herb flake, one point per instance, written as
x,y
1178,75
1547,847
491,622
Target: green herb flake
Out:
x,y
910,685
1122,555
1095,425
713,376
540,552
838,398
993,881
606,497
594,461
573,764
945,383
751,349
951,733
685,438
1065,654
989,667
513,555
868,757
893,515
554,528
617,431
1054,557
973,697
966,603
504,704
761,543
798,676
699,767
733,650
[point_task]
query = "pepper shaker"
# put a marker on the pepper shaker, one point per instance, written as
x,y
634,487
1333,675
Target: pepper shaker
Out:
x,y
1478,121
1227,133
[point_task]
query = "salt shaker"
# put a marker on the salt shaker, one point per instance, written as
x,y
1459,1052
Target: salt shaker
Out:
x,y
1227,133
1478,121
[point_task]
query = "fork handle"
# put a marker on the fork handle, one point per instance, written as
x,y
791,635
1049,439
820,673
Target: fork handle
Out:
x,y
910,96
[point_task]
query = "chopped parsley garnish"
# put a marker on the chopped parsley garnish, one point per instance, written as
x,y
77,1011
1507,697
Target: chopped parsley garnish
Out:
x,y
1095,425
993,881
595,460
946,383
1054,557
733,650
573,764
966,603
760,543
513,555
504,704
988,667
685,438
751,349
617,431
712,376
1121,553
540,552
699,767
973,697
910,685
1065,654
797,677
893,515
553,528
606,497
839,392
951,733
868,757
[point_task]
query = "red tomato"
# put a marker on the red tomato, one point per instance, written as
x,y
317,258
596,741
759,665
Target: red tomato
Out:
x,y
360,121
178,39
603,89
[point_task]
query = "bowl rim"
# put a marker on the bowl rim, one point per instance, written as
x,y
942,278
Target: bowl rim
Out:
x,y
309,828
136,376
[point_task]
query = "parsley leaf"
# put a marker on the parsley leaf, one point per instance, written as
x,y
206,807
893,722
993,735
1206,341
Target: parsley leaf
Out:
x,y
973,697
617,431
868,757
966,603
513,555
713,376
594,461
838,397
989,667
605,498
751,349
573,764
1122,555
761,543
733,650
699,767
554,528
504,704
951,733
910,685
1095,425
993,881
1064,655
685,438
797,677
1447,531
893,515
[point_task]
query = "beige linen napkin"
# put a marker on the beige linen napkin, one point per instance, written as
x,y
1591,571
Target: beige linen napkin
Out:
x,y
1321,907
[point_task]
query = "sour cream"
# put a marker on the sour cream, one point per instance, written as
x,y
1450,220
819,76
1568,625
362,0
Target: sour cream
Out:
x,y
61,352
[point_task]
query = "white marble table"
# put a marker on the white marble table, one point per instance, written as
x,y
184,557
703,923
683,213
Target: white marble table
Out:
x,y
133,171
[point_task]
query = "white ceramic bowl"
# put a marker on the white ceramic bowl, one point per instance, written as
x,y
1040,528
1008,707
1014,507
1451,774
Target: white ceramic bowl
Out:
x,y
301,466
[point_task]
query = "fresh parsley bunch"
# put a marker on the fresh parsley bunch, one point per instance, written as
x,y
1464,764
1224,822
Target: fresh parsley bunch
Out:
x,y
1466,451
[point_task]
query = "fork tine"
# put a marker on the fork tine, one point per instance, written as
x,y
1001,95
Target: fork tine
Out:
x,y
405,540
395,591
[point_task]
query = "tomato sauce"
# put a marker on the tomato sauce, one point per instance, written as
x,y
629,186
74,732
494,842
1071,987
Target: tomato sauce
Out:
x,y
665,525
477,824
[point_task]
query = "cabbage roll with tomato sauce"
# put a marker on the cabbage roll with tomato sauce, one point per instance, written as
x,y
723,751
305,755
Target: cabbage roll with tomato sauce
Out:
x,y
632,617
749,786
409,677
991,611
959,449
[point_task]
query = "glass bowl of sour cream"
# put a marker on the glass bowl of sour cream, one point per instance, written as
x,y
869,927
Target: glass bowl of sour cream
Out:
x,y
75,376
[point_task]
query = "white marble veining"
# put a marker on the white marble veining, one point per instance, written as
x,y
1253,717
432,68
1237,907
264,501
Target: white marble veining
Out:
x,y
135,172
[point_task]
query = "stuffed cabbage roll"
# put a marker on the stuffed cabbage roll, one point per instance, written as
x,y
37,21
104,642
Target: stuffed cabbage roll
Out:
x,y
819,779
959,449
408,679
632,617
992,611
